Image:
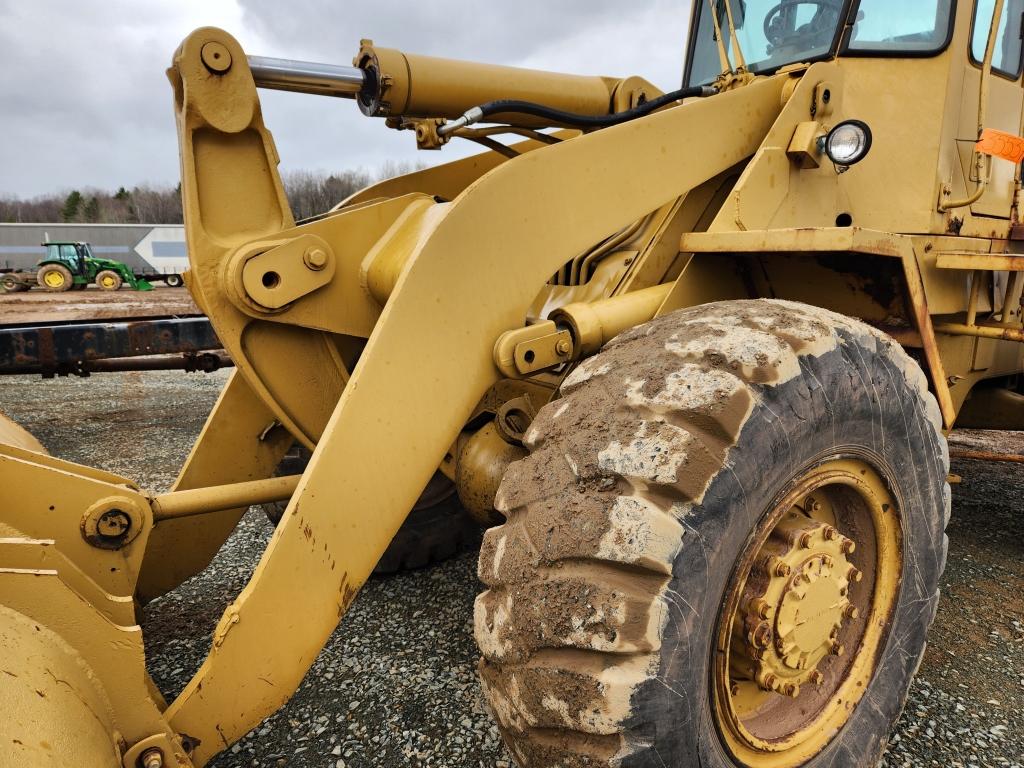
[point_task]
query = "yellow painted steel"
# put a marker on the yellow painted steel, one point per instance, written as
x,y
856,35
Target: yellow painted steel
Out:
x,y
383,459
382,334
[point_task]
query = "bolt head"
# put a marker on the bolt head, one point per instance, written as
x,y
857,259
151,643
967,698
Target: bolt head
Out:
x,y
563,348
817,678
851,612
830,533
762,635
837,649
315,258
792,690
152,758
849,546
855,575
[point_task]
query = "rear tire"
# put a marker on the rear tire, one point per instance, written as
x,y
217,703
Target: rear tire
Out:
x,y
629,522
108,280
174,281
55,278
11,284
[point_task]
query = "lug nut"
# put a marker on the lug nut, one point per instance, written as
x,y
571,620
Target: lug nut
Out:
x,y
792,690
849,546
152,758
769,681
817,678
563,348
813,505
829,533
805,540
854,575
778,567
837,649
851,612
760,608
762,635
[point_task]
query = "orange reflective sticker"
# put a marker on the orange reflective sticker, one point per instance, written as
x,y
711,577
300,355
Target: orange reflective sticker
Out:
x,y
1001,144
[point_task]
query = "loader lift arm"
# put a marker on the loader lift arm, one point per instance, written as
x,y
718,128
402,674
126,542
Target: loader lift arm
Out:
x,y
462,273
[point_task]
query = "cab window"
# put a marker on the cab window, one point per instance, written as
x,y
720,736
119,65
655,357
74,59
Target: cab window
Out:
x,y
1006,55
913,27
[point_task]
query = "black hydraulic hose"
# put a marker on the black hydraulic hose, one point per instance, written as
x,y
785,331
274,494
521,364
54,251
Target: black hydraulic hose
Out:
x,y
571,119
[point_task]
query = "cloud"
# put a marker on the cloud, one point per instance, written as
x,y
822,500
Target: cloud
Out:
x,y
84,100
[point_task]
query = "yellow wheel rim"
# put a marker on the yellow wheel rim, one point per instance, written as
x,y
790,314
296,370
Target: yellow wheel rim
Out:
x,y
53,279
806,614
107,281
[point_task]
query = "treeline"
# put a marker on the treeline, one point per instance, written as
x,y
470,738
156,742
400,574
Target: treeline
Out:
x,y
308,194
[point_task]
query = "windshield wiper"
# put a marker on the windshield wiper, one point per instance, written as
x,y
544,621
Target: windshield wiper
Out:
x,y
723,55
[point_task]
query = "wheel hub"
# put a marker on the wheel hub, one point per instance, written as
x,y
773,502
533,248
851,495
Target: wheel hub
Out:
x,y
794,605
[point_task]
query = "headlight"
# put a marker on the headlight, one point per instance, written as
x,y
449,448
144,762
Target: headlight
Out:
x,y
847,143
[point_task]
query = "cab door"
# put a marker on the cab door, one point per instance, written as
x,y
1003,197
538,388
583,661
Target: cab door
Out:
x,y
1004,102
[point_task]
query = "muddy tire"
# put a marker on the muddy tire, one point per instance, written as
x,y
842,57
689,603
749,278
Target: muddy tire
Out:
x,y
602,626
55,278
11,284
108,280
174,281
437,529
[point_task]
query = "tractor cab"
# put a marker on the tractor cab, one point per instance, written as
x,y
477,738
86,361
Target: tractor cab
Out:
x,y
74,256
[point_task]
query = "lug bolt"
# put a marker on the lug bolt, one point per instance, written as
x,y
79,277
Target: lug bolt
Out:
x,y
854,575
849,546
830,533
315,259
769,681
817,678
837,649
778,567
760,608
851,612
813,505
792,690
563,348
805,540
113,524
152,758
762,635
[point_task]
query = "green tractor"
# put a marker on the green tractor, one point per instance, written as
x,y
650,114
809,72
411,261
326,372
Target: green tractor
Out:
x,y
71,266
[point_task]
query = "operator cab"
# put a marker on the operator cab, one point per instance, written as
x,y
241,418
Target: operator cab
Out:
x,y
72,255
774,34
913,72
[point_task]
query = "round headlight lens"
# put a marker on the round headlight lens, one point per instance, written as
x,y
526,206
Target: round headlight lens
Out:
x,y
848,142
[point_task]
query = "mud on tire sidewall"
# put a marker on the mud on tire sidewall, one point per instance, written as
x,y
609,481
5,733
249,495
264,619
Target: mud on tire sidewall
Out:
x,y
600,618
793,427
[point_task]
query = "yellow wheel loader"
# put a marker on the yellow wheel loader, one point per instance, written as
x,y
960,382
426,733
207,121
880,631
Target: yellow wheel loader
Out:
x,y
693,352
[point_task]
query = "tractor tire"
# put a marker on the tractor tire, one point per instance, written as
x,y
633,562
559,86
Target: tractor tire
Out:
x,y
108,280
695,482
437,528
11,284
55,278
174,281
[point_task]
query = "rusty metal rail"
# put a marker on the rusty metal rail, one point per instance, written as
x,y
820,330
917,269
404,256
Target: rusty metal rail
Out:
x,y
63,349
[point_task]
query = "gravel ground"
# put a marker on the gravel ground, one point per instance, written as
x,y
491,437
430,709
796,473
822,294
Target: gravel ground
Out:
x,y
396,685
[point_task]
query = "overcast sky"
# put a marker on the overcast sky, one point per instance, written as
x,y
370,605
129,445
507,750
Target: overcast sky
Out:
x,y
84,100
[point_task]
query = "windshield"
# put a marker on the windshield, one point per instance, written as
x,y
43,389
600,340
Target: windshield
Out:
x,y
771,34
